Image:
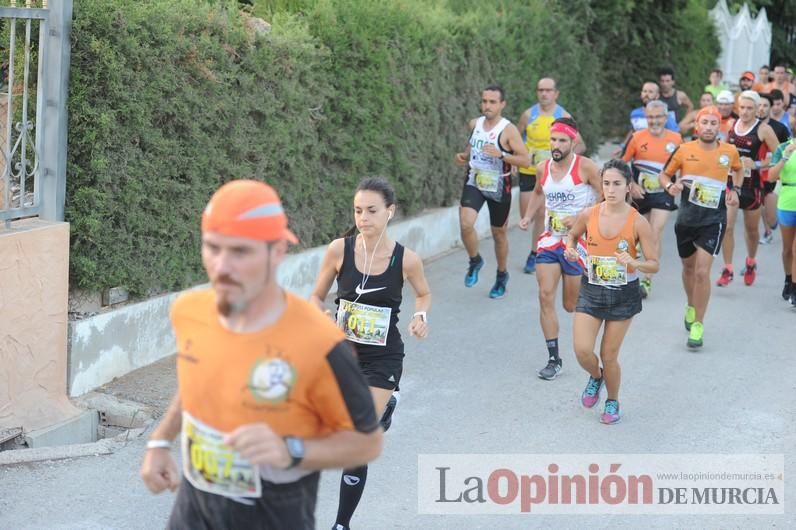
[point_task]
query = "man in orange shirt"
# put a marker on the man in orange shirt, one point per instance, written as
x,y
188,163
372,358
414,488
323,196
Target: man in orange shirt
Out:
x,y
698,171
269,392
649,149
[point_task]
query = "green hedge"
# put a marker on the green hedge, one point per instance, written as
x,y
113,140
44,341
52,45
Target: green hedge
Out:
x,y
170,98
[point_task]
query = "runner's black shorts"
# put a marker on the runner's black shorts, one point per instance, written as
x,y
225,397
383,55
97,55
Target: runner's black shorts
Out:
x,y
290,505
768,187
750,198
655,201
527,182
609,303
498,210
383,371
707,237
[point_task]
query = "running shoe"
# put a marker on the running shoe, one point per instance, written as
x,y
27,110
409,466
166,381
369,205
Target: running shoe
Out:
x,y
750,271
725,278
786,291
591,395
530,264
695,335
552,369
472,271
611,413
499,289
690,316
767,237
646,287
793,298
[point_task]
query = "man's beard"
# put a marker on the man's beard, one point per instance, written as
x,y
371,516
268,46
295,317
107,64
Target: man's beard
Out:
x,y
707,141
558,155
227,308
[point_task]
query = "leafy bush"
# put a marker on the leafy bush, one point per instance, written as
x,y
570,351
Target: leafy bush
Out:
x,y
171,98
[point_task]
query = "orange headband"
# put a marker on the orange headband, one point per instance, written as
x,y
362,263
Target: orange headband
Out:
x,y
710,110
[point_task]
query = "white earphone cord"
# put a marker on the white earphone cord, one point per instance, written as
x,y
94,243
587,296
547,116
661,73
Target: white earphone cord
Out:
x,y
366,276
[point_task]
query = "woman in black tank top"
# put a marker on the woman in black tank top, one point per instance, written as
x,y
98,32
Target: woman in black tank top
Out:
x,y
370,270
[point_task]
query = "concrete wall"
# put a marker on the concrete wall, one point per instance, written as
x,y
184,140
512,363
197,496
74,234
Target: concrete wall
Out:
x,y
34,281
112,344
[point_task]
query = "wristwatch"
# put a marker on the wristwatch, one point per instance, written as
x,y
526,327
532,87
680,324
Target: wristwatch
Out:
x,y
422,315
737,189
295,447
669,185
502,155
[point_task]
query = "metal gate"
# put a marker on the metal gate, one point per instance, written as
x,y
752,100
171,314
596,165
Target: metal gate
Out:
x,y
34,77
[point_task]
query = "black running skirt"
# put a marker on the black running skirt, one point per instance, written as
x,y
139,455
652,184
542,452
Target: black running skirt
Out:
x,y
609,303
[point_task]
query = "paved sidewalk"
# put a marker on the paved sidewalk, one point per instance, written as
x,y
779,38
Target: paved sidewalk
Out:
x,y
472,388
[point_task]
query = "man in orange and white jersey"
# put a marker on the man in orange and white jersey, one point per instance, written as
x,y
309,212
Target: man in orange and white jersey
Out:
x,y
698,171
648,150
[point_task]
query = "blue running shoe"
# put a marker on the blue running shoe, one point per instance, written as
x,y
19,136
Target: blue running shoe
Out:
x,y
499,289
530,264
472,271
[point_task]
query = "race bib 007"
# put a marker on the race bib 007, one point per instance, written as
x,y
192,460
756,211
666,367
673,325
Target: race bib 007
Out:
x,y
487,180
649,182
211,466
363,323
705,194
606,270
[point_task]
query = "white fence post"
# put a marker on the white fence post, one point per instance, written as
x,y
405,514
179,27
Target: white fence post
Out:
x,y
745,40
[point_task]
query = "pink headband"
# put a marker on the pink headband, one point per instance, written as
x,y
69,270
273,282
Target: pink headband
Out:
x,y
564,128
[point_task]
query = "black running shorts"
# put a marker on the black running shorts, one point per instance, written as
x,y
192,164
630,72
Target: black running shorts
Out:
x,y
655,201
290,505
708,238
768,187
527,182
498,210
750,199
383,371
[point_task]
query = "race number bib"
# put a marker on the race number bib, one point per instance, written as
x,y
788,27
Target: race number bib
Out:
x,y
487,179
211,466
606,270
555,222
540,155
649,182
362,323
705,194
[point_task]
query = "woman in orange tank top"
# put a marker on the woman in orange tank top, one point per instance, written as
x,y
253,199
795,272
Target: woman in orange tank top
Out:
x,y
609,294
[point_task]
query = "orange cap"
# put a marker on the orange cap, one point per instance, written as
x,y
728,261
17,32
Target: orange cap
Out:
x,y
248,209
748,75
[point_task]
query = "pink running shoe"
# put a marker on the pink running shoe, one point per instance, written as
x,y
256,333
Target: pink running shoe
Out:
x,y
591,395
750,272
611,413
725,278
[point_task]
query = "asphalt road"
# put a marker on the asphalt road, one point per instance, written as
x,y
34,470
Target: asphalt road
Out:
x,y
472,388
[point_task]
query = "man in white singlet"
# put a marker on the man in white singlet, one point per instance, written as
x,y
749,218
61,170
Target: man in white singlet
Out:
x,y
494,146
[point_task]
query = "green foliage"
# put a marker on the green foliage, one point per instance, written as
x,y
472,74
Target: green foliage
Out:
x,y
171,98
